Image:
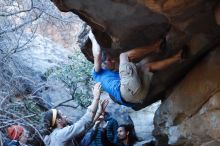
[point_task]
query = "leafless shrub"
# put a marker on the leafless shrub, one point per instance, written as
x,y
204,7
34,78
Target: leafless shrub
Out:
x,y
19,22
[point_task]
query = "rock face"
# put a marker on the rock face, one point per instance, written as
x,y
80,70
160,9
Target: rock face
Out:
x,y
27,72
122,25
191,112
143,121
119,25
189,115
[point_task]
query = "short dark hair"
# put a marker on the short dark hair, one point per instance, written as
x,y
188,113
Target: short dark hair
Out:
x,y
107,53
132,137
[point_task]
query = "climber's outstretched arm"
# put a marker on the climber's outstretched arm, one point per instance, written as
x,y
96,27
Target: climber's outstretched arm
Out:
x,y
160,65
96,50
140,52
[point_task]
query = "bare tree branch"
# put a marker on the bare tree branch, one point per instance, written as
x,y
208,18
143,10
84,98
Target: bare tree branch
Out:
x,y
66,105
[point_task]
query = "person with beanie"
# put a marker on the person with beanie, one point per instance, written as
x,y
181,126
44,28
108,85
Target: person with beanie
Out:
x,y
17,136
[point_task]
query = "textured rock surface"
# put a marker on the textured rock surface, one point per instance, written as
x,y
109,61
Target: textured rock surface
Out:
x,y
143,121
120,24
217,14
191,112
211,143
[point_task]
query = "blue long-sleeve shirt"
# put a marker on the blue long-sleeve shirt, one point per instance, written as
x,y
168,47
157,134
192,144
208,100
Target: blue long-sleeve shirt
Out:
x,y
107,137
88,138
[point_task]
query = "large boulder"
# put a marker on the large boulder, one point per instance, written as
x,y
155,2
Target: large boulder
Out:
x,y
191,112
122,25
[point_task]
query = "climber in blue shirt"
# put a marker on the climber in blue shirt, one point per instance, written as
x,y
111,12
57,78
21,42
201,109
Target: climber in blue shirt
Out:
x,y
126,82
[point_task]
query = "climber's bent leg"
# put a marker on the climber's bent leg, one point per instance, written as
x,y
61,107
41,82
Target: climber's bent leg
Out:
x,y
132,89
